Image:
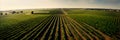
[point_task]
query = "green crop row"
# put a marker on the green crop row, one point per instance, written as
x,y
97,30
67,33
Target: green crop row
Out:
x,y
108,22
12,26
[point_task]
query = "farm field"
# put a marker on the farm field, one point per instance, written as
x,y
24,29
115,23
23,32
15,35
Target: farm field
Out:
x,y
17,24
72,24
105,21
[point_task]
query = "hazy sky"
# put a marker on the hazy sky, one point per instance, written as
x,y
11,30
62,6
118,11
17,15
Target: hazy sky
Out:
x,y
28,4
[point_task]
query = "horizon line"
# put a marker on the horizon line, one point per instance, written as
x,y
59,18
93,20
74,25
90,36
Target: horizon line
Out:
x,y
53,8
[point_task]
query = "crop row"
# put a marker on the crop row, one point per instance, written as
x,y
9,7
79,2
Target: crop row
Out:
x,y
61,27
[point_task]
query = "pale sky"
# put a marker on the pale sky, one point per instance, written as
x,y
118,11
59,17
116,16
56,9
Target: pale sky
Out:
x,y
33,4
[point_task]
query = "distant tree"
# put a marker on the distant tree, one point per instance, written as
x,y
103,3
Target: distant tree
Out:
x,y
32,12
13,12
5,13
21,11
1,13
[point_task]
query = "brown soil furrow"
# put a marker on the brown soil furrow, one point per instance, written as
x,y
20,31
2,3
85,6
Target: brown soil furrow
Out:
x,y
48,29
52,34
19,34
63,34
95,34
66,29
86,30
81,35
76,30
70,32
35,32
48,35
28,32
71,29
104,35
57,30
43,29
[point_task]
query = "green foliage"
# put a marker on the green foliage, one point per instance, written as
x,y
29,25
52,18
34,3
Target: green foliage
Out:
x,y
108,22
14,24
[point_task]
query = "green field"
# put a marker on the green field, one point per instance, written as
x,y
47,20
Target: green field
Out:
x,y
60,24
106,21
18,23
